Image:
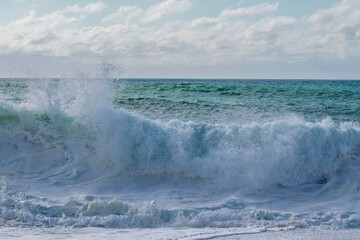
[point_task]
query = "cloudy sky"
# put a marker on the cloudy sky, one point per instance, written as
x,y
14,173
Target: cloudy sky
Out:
x,y
181,38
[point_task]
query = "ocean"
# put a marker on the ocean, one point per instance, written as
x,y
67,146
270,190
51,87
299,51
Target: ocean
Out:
x,y
178,158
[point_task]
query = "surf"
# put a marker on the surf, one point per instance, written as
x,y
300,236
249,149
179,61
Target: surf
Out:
x,y
67,134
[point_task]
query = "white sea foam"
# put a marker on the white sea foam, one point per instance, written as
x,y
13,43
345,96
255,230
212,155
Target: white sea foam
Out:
x,y
66,135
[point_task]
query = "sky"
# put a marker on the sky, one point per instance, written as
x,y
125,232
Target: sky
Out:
x,y
290,39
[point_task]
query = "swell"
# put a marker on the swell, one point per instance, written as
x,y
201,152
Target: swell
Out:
x,y
119,144
66,135
68,131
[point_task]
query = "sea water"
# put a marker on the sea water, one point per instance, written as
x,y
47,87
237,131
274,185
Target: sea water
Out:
x,y
165,154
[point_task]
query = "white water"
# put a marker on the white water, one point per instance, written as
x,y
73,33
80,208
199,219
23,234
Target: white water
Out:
x,y
71,159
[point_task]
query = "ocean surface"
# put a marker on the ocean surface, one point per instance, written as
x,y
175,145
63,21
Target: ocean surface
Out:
x,y
179,154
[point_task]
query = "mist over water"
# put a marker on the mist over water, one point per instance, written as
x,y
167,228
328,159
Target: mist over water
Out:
x,y
186,153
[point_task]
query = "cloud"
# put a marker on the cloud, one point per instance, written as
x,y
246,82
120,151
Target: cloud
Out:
x,y
233,35
51,34
123,14
344,9
253,10
33,34
337,29
90,8
167,7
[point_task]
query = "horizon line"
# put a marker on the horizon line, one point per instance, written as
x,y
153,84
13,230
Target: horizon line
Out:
x,y
179,78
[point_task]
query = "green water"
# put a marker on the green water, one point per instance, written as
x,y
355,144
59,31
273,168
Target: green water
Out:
x,y
238,101
141,153
224,101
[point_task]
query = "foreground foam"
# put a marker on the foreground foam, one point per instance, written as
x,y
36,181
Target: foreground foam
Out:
x,y
18,209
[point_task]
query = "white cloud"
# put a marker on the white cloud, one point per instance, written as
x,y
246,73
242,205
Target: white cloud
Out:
x,y
273,24
344,9
234,35
90,8
166,7
336,31
123,14
253,10
33,34
51,34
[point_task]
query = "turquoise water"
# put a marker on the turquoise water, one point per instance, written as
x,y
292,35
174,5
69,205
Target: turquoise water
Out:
x,y
226,101
159,153
237,101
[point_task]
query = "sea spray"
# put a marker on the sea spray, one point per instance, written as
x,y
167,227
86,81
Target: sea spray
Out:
x,y
110,142
67,136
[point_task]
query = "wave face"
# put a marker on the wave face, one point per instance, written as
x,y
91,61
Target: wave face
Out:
x,y
82,153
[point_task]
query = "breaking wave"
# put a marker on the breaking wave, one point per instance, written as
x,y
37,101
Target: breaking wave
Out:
x,y
65,133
